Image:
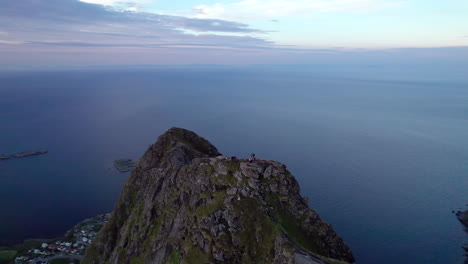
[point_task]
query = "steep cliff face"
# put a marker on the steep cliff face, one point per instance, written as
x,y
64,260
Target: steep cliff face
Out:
x,y
462,216
186,203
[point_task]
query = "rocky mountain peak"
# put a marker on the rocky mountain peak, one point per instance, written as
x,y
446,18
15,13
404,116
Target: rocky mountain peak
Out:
x,y
187,203
177,147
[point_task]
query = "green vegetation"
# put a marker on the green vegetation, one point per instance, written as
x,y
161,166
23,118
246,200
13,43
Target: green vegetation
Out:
x,y
205,195
138,260
258,233
292,226
124,165
174,258
6,256
64,261
199,144
206,170
212,207
178,208
224,179
92,254
132,195
333,261
233,165
158,223
296,233
154,228
96,228
26,246
196,255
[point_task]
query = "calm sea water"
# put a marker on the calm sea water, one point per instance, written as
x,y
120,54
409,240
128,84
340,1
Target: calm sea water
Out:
x,y
382,153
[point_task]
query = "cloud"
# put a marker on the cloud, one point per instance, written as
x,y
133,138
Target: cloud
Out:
x,y
92,25
215,43
76,12
128,5
252,9
117,2
10,42
70,32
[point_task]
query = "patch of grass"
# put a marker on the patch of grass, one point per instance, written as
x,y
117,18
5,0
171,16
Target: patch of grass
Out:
x,y
225,179
174,258
189,139
91,254
6,256
292,226
205,195
64,261
154,228
196,255
244,182
212,207
24,247
258,233
136,217
132,195
158,223
232,165
138,260
206,169
295,232
96,228
334,261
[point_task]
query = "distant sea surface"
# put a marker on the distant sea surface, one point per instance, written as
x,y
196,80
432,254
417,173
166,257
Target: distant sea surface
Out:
x,y
382,152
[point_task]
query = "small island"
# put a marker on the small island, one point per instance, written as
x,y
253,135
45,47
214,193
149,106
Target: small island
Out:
x,y
124,165
23,154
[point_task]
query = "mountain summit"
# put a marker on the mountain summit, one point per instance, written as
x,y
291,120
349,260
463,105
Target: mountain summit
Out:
x,y
186,203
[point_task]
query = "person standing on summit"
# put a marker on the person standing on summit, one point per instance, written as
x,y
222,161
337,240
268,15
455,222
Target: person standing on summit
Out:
x,y
252,157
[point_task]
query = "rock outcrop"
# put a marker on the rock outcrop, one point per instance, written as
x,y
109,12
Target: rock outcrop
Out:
x,y
186,203
462,216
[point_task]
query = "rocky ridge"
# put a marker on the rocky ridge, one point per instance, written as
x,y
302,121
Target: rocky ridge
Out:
x,y
186,203
462,216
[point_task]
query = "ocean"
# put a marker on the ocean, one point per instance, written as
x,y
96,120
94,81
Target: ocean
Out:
x,y
381,151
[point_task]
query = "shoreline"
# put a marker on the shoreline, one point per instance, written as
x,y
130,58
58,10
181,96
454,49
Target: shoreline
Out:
x,y
23,154
69,246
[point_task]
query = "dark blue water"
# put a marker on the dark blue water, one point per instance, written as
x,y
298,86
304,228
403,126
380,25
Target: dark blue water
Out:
x,y
382,153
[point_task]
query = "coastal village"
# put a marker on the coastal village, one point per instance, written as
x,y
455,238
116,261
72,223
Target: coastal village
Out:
x,y
65,250
69,249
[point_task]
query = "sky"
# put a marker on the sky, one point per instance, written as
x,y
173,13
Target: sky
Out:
x,y
43,33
